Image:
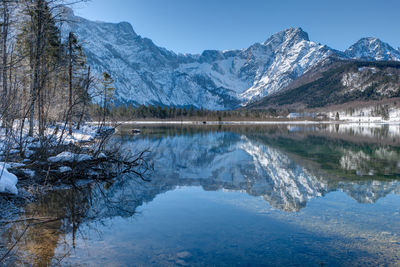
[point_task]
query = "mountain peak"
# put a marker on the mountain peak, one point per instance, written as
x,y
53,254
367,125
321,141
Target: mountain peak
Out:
x,y
127,29
296,32
66,12
371,42
293,34
370,39
372,48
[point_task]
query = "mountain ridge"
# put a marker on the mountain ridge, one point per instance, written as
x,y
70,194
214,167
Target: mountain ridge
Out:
x,y
145,73
367,46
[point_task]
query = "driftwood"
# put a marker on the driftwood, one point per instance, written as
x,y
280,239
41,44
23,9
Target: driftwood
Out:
x,y
103,168
114,162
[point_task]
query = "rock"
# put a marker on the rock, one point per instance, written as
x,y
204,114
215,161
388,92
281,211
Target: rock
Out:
x,y
182,262
184,254
102,156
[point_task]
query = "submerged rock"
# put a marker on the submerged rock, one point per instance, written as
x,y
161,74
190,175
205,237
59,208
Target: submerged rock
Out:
x,y
183,254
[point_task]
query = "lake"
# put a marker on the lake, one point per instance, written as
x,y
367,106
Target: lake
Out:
x,y
281,195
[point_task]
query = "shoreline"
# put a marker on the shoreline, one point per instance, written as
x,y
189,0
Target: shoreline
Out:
x,y
205,123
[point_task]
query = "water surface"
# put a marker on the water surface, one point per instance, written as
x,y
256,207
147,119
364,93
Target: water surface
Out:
x,y
230,195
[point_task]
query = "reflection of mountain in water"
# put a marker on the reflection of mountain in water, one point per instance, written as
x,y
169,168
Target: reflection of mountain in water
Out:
x,y
370,191
227,160
282,171
230,161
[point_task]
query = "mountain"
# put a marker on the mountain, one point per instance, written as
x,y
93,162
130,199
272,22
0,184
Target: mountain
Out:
x,y
145,73
372,49
338,83
281,59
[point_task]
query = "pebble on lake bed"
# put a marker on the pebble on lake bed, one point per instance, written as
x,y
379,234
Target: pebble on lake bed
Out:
x,y
183,254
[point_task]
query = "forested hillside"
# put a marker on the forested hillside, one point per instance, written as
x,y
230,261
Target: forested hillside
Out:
x,y
340,83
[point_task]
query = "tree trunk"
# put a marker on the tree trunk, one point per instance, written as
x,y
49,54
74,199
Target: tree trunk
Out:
x,y
32,93
70,82
104,106
87,85
37,73
4,64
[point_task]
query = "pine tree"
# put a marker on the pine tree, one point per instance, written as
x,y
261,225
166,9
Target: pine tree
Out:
x,y
40,39
77,83
85,96
56,70
108,92
5,65
5,18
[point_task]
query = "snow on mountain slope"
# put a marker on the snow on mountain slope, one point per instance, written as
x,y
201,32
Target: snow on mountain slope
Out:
x,y
147,74
281,59
372,49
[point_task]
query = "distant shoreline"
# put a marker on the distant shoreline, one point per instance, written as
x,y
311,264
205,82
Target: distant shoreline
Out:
x,y
170,122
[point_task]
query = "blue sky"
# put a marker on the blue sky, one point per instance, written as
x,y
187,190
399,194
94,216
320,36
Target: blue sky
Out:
x,y
191,26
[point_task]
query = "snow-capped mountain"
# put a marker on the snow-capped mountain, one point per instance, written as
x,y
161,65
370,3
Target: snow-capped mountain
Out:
x,y
372,49
281,59
147,74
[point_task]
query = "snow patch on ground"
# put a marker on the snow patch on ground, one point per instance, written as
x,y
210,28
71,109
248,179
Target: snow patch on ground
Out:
x,y
8,181
368,115
54,134
69,157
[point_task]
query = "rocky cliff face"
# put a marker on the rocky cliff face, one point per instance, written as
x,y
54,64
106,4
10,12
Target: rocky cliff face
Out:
x,y
147,74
